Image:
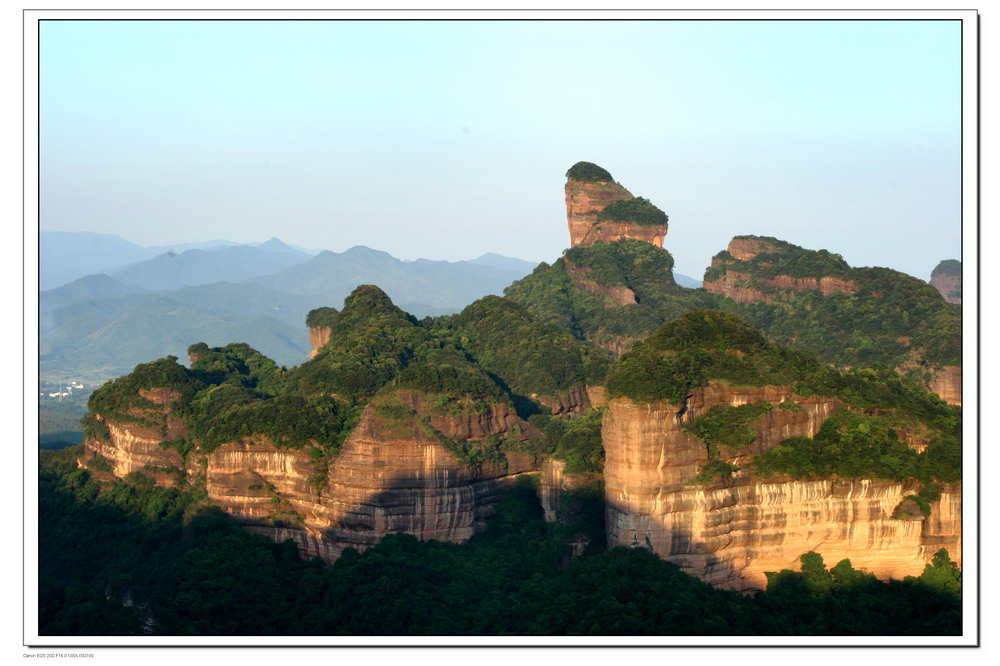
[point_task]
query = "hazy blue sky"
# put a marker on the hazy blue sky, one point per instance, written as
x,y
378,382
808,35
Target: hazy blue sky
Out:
x,y
445,140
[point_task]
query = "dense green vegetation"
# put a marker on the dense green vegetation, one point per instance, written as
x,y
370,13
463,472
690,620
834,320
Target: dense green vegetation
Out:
x,y
698,346
188,570
493,353
122,400
532,357
949,267
891,320
550,294
705,345
227,414
588,172
727,426
319,317
853,445
576,441
638,211
372,341
238,364
785,259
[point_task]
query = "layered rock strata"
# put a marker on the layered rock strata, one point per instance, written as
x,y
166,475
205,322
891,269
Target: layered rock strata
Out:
x,y
385,479
745,288
737,286
730,533
613,296
584,203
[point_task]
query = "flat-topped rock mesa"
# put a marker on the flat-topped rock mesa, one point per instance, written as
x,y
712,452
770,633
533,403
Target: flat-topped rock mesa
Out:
x,y
947,278
684,475
600,210
731,275
850,317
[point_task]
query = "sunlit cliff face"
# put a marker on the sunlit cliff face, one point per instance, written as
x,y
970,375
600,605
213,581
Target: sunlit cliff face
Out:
x,y
730,533
584,201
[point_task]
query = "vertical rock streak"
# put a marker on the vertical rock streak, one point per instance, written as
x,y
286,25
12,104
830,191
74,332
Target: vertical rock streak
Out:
x,y
730,533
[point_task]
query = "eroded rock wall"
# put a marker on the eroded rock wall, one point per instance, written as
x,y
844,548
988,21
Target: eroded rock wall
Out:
x,y
739,286
318,337
584,201
948,284
947,383
383,480
730,533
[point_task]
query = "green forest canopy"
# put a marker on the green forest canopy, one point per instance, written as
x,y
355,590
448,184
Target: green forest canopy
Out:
x,y
588,172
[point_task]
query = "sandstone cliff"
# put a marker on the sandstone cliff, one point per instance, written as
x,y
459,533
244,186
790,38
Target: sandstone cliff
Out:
x,y
390,476
318,336
587,196
947,383
729,533
890,319
947,279
731,280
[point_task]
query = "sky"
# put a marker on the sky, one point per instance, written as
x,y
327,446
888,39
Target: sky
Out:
x,y
446,140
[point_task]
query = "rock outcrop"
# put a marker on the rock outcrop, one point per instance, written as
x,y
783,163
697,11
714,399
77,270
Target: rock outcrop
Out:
x,y
730,533
318,336
947,383
947,278
587,197
744,287
388,477
916,331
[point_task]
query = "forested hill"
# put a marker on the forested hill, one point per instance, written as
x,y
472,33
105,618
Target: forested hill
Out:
x,y
847,316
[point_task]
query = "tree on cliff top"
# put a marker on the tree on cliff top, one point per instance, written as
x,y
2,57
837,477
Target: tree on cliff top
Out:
x,y
637,211
588,172
949,267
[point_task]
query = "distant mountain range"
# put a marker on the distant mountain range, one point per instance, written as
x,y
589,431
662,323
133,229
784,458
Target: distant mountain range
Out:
x,y
101,325
66,256
420,287
196,267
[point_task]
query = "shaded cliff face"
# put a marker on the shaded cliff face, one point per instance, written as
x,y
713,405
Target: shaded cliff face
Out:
x,y
590,195
391,478
948,286
730,533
